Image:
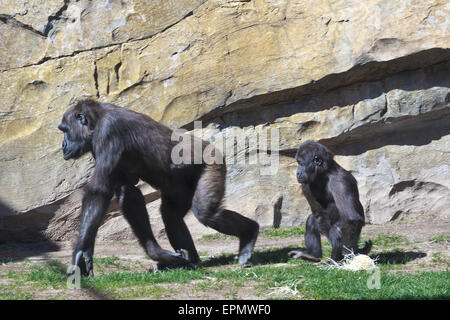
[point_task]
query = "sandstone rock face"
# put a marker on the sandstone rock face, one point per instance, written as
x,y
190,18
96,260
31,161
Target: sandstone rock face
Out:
x,y
368,79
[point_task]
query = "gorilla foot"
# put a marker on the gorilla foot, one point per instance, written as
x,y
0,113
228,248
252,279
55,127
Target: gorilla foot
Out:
x,y
83,261
246,246
300,254
171,260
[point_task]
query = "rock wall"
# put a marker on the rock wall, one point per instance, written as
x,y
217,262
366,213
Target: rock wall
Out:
x,y
368,79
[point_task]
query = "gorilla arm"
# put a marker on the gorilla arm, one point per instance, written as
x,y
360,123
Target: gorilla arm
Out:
x,y
316,208
313,236
351,216
96,200
346,198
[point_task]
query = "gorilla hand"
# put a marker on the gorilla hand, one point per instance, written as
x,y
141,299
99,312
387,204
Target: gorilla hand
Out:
x,y
82,260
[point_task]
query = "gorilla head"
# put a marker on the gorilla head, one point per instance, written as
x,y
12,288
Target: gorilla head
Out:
x,y
77,125
313,160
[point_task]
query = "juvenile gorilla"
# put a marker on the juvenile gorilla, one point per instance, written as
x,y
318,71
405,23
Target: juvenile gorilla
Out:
x,y
332,193
128,146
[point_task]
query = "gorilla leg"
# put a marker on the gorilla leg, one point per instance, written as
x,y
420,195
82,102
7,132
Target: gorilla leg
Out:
x,y
178,233
313,244
350,238
133,206
232,223
206,205
335,237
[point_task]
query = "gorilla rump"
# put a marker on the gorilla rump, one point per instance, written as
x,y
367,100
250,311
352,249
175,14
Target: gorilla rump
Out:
x,y
128,146
332,194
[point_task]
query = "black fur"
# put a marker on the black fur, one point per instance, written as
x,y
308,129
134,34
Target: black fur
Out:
x,y
128,146
332,194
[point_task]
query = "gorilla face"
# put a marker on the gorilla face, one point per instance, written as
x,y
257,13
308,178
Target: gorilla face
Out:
x,y
308,169
313,160
302,176
77,136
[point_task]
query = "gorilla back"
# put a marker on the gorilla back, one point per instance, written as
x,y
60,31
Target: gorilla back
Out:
x,y
128,146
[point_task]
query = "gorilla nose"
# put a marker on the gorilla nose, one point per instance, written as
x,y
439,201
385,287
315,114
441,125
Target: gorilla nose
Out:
x,y
64,144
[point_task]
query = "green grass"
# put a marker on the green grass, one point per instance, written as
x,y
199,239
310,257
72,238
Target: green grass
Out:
x,y
108,263
227,281
128,279
221,277
154,291
13,294
52,273
437,257
284,232
389,240
338,284
441,238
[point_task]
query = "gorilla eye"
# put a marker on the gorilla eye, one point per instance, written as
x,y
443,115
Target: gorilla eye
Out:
x,y
317,160
81,118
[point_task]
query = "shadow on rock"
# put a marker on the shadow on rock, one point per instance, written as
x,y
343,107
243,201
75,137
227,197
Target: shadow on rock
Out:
x,y
17,230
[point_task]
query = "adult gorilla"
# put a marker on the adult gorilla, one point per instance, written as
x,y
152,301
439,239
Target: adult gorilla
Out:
x,y
128,146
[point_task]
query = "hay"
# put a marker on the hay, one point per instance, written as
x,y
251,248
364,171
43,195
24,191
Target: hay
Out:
x,y
287,290
352,262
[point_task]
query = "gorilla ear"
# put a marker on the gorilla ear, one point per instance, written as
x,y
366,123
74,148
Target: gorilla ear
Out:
x,y
317,161
81,119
